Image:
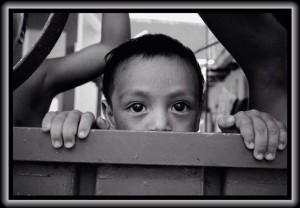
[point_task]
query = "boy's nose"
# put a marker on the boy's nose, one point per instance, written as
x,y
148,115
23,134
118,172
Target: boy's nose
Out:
x,y
160,122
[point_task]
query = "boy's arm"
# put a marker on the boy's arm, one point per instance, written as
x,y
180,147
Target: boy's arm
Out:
x,y
33,98
75,69
258,42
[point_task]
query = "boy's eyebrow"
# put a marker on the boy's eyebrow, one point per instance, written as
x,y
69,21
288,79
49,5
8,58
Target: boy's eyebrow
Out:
x,y
191,95
139,93
179,94
145,94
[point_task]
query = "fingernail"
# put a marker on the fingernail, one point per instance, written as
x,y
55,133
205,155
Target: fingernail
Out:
x,y
250,145
68,144
99,120
259,156
281,146
230,119
81,134
270,156
45,127
56,144
103,124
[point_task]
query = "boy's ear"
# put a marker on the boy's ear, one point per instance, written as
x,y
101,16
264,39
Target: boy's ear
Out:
x,y
108,113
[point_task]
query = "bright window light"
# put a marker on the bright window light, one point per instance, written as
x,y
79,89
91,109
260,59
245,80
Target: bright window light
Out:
x,y
204,61
141,34
173,17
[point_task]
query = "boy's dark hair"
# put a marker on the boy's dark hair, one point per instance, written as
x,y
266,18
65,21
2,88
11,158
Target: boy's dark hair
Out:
x,y
147,46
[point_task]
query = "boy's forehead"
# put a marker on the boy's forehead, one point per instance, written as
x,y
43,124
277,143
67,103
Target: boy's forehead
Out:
x,y
139,71
155,61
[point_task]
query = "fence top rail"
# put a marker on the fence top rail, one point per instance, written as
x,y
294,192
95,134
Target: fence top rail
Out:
x,y
143,148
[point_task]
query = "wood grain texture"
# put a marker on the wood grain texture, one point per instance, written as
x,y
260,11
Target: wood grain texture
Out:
x,y
143,148
43,180
141,180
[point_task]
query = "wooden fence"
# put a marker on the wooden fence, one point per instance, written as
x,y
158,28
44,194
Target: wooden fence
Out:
x,y
127,163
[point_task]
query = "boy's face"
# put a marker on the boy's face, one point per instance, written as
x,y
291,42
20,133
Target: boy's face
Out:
x,y
155,94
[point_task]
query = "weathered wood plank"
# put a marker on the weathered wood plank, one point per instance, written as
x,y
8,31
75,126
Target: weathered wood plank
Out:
x,y
144,148
149,180
255,182
43,179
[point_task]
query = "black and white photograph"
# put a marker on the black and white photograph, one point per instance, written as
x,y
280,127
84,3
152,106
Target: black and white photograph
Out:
x,y
149,104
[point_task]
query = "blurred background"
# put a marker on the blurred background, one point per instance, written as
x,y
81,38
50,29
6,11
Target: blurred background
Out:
x,y
227,87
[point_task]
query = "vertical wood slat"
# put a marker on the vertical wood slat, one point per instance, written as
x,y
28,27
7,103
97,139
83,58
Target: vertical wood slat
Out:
x,y
44,179
145,180
239,181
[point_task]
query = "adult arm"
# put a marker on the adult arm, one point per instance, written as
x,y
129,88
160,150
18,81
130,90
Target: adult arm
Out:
x,y
258,42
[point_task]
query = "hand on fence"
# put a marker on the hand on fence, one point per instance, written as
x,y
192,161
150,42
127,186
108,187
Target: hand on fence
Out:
x,y
66,126
260,132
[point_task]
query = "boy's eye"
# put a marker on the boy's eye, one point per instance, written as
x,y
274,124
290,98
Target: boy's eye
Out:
x,y
137,107
180,107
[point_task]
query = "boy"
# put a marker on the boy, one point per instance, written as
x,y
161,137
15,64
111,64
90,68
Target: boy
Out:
x,y
154,83
32,99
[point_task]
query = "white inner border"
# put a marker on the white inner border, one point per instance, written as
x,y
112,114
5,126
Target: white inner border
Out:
x,y
153,5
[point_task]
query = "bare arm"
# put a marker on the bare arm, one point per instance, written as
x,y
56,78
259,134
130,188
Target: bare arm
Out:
x,y
75,69
32,99
259,44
